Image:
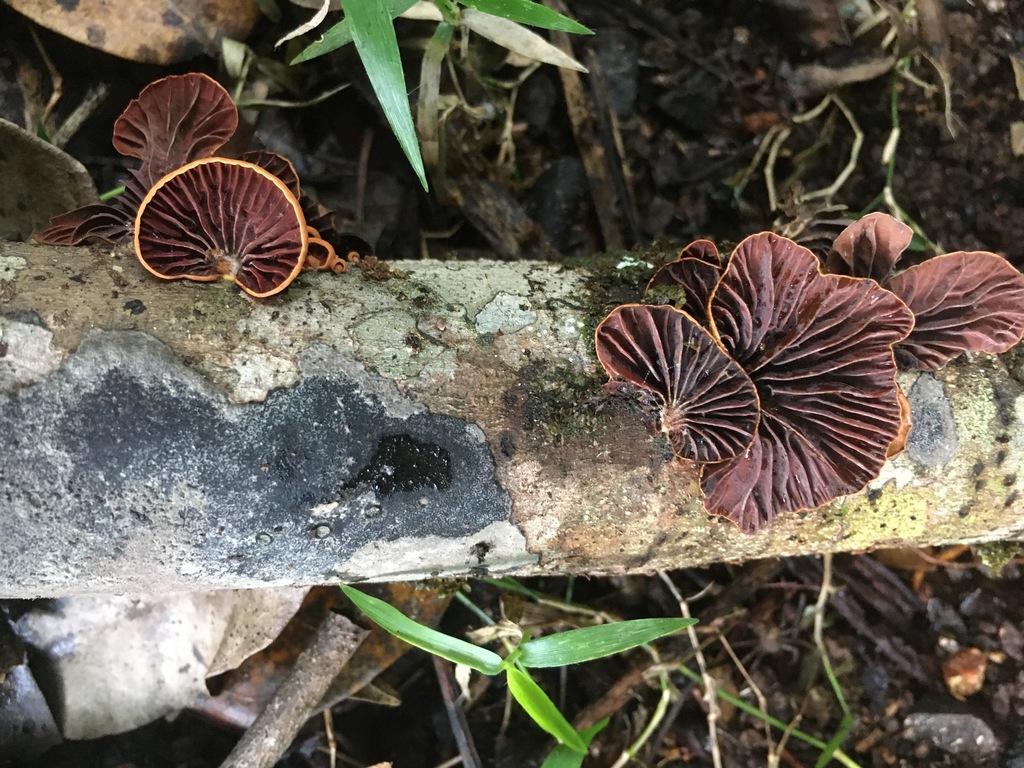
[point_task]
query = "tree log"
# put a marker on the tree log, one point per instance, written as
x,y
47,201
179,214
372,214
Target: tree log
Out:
x,y
440,418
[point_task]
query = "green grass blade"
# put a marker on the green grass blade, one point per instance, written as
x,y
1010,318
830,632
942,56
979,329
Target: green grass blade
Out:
x,y
563,757
828,753
430,640
374,35
110,194
538,706
528,12
510,584
588,643
340,34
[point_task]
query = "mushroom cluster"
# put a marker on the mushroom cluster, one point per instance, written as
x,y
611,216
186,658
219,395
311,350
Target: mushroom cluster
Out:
x,y
195,215
776,375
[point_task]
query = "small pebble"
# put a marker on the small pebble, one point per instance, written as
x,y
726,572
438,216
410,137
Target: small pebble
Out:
x,y
956,734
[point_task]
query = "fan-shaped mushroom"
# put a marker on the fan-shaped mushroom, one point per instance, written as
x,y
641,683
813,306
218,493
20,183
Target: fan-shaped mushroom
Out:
x,y
818,349
705,403
217,218
687,282
962,301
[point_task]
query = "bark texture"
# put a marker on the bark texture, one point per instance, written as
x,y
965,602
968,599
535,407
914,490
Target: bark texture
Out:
x,y
446,420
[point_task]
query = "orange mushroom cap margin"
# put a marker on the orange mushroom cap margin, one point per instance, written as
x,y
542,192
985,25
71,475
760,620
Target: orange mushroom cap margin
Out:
x,y
704,403
217,218
819,351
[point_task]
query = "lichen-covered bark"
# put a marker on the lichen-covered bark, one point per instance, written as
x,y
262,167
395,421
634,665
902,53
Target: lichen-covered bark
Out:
x,y
448,420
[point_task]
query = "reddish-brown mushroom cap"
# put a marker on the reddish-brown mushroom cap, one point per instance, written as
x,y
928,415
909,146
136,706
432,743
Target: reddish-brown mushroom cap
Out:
x,y
174,121
869,247
687,282
279,165
818,349
962,302
705,250
708,407
321,255
218,218
98,220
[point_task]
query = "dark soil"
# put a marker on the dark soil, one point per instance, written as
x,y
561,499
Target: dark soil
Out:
x,y
685,95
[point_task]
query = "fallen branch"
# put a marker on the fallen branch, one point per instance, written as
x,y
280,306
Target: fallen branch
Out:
x,y
449,420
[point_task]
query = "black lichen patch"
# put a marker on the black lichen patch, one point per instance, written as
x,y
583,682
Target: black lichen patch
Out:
x,y
403,463
479,551
126,450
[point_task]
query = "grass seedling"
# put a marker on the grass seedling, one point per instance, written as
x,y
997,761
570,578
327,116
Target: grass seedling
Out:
x,y
571,647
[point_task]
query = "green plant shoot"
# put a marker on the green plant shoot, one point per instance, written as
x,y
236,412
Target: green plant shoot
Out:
x,y
374,36
571,647
588,643
438,643
542,709
528,12
563,757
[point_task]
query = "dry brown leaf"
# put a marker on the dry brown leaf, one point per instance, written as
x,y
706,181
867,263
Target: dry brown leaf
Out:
x,y
140,30
25,204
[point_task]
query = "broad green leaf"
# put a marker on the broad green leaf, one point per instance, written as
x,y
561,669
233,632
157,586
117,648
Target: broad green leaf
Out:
x,y
590,643
542,709
528,12
414,633
563,757
340,34
374,35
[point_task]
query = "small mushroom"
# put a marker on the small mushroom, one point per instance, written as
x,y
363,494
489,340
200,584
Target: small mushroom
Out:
x,y
869,247
279,165
706,405
962,302
174,121
216,218
687,282
318,257
818,349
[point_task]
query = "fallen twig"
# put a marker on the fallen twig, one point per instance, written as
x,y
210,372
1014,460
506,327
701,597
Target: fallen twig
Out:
x,y
275,728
